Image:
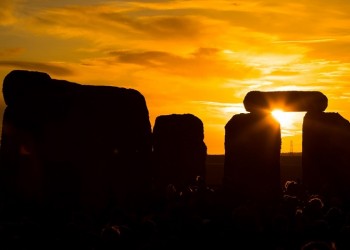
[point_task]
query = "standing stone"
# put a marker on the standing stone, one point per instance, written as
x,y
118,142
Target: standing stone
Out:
x,y
179,151
292,101
84,147
252,157
326,154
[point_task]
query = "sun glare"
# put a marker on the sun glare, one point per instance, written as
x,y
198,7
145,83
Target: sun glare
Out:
x,y
284,118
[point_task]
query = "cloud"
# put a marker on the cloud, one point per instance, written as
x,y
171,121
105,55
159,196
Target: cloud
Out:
x,y
176,28
50,68
320,40
7,12
112,23
204,62
301,20
189,20
11,51
223,108
333,50
166,27
62,3
282,72
147,58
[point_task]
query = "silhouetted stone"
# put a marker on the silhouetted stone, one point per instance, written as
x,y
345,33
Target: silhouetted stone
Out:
x,y
326,154
292,101
179,150
252,157
23,88
85,146
20,173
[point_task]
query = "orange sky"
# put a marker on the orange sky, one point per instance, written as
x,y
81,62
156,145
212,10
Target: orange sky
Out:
x,y
199,57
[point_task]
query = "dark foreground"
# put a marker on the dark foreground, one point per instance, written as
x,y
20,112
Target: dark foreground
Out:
x,y
193,217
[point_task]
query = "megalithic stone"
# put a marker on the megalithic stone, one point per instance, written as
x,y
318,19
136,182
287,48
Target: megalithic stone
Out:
x,y
36,89
92,144
21,87
252,157
179,151
326,154
37,98
116,132
293,101
18,149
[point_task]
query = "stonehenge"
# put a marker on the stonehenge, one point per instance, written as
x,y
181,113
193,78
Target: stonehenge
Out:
x,y
325,142
71,146
252,157
179,151
326,154
67,146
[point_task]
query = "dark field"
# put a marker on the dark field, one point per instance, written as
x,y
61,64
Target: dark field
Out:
x,y
290,168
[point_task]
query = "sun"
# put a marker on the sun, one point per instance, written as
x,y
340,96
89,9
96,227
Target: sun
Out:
x,y
284,118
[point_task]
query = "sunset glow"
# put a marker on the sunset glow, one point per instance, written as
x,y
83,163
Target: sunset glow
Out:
x,y
284,118
199,57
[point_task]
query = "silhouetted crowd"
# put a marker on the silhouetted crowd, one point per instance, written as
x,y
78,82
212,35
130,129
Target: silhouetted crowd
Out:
x,y
189,217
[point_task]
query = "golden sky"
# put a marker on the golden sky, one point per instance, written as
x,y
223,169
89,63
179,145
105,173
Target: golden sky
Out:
x,y
187,56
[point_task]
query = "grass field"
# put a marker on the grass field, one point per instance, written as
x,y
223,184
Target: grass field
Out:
x,y
290,168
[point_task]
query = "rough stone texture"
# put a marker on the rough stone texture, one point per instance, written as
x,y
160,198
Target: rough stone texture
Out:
x,y
252,157
326,154
293,101
179,150
81,146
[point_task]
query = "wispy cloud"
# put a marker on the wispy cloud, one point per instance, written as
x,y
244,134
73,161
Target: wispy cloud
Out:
x,y
50,68
162,27
338,49
224,108
7,12
321,40
111,22
10,52
205,62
